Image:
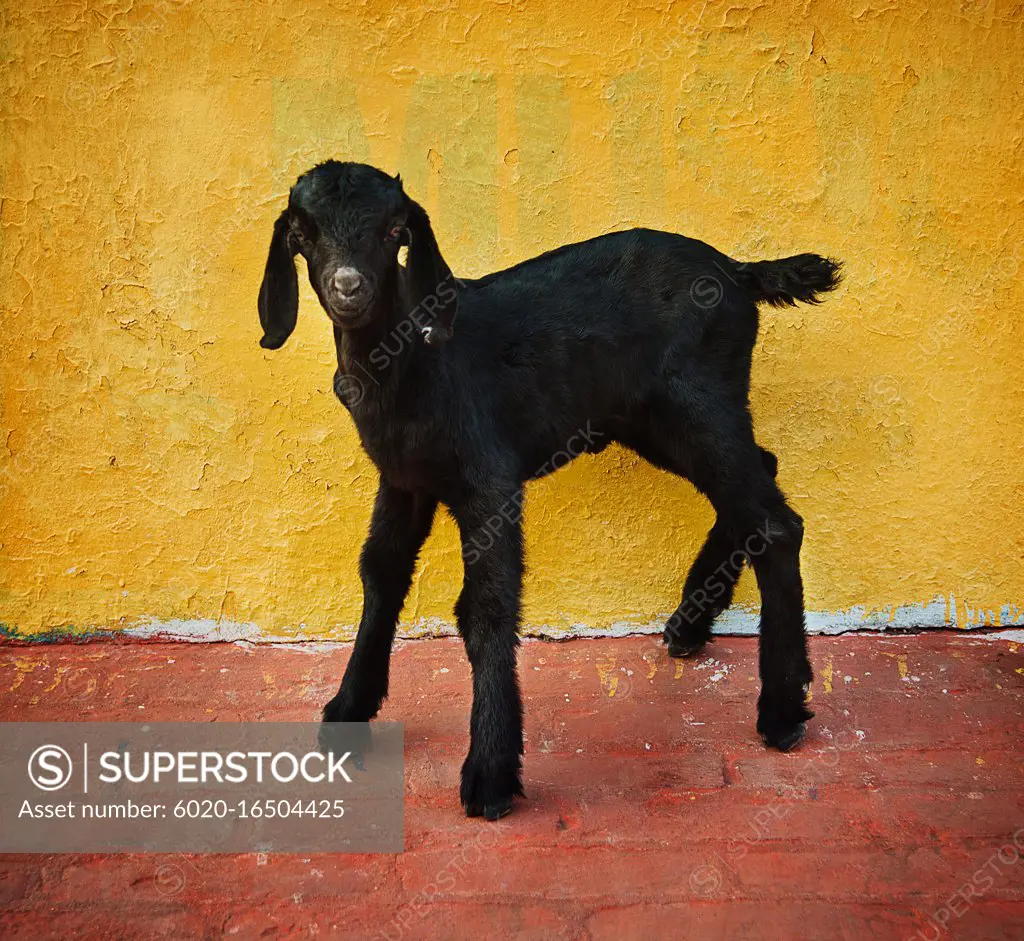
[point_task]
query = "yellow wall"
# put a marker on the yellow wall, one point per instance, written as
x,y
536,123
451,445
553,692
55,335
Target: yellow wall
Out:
x,y
156,464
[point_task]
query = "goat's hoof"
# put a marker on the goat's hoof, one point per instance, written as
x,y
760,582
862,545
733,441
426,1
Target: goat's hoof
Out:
x,y
787,741
341,737
782,722
680,648
683,644
684,640
345,708
491,811
488,789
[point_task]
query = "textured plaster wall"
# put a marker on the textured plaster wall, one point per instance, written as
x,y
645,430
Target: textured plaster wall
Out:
x,y
158,467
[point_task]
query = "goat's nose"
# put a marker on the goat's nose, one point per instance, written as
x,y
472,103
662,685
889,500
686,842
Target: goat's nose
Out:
x,y
347,282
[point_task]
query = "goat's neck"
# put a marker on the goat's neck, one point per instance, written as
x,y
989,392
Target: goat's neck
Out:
x,y
377,355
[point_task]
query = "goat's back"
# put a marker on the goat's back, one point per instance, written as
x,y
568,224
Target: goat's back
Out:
x,y
587,331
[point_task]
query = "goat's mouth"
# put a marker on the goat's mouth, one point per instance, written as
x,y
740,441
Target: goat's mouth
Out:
x,y
349,313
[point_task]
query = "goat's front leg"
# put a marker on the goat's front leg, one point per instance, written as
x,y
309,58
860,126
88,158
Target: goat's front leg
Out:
x,y
488,616
400,524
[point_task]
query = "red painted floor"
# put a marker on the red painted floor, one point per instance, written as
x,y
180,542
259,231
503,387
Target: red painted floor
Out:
x,y
653,811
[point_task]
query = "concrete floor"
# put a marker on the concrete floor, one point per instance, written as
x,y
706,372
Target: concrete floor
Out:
x,y
653,811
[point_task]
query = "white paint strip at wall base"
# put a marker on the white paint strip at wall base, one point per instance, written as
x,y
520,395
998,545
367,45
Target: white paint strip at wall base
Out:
x,y
737,621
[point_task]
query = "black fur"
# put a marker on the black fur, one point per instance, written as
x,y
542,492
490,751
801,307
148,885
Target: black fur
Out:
x,y
640,337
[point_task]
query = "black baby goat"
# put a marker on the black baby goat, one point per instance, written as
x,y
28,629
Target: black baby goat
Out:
x,y
640,337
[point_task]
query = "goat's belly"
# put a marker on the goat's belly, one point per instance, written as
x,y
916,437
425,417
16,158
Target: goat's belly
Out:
x,y
588,438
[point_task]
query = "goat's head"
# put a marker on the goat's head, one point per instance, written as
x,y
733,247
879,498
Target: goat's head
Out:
x,y
348,221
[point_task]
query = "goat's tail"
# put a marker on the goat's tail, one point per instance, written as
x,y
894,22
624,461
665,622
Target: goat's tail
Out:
x,y
785,281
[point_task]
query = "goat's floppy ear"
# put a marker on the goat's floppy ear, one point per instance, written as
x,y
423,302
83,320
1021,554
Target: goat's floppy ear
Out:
x,y
434,287
279,292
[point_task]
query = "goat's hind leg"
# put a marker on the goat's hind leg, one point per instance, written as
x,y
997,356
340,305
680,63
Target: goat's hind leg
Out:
x,y
707,593
784,665
753,509
722,459
709,585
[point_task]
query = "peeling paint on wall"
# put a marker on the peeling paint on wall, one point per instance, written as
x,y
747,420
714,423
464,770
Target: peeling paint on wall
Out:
x,y
156,467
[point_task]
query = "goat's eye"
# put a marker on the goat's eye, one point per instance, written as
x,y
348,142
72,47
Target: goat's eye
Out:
x,y
395,233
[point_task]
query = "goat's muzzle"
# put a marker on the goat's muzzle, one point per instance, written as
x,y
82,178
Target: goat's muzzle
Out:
x,y
348,295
